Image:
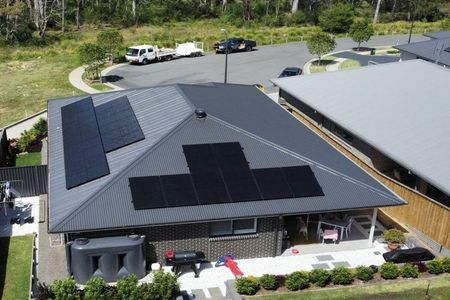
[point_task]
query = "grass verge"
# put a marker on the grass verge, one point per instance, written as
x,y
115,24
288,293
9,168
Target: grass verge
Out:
x,y
29,159
349,64
405,290
15,267
315,67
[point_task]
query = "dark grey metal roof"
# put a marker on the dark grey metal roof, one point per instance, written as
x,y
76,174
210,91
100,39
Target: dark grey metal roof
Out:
x,y
432,50
270,137
444,34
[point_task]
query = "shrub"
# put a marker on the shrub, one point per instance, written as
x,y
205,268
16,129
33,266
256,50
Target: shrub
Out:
x,y
41,127
394,236
27,137
65,289
297,281
435,266
127,288
337,19
446,264
95,289
341,275
247,285
364,273
389,270
165,285
320,277
410,271
269,282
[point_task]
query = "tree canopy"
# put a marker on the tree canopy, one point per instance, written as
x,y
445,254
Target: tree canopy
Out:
x,y
110,39
361,31
320,43
337,19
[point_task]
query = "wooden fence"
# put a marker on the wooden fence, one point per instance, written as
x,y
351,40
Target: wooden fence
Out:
x,y
423,213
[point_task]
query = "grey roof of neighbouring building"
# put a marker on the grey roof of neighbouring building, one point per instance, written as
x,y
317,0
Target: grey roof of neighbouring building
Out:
x,y
432,50
444,34
270,136
401,109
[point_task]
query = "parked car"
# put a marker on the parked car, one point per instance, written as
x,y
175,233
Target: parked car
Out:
x,y
234,44
144,54
290,71
408,255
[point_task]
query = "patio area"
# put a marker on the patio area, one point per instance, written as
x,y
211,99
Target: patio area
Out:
x,y
25,209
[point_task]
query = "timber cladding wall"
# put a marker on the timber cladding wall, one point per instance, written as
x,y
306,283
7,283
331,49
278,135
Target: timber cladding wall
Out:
x,y
423,213
195,236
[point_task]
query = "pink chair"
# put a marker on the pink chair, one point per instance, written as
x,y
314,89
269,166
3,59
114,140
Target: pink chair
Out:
x,y
329,234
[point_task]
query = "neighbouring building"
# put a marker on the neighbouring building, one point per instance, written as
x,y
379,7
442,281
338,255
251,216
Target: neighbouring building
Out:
x,y
395,118
436,50
213,168
4,148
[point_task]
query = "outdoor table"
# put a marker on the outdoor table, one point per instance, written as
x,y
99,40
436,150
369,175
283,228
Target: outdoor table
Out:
x,y
336,223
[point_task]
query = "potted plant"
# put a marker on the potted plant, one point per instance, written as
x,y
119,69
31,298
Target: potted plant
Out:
x,y
394,238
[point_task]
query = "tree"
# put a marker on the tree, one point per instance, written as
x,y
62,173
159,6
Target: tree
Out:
x,y
377,11
110,39
337,19
361,31
320,43
93,56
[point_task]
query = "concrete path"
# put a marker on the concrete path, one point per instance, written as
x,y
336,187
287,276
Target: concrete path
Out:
x,y
51,255
75,78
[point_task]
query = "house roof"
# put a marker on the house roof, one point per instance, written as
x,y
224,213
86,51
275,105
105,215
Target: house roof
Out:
x,y
270,136
401,109
432,50
444,34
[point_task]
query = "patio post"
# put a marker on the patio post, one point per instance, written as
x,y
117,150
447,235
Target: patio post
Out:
x,y
372,226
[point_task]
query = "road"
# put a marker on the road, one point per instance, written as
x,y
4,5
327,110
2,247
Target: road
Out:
x,y
258,66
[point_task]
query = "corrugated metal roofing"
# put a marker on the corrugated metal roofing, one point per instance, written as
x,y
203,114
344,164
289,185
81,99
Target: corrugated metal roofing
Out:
x,y
402,109
242,120
444,34
433,50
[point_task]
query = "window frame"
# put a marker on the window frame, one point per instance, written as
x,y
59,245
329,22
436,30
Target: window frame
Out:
x,y
233,230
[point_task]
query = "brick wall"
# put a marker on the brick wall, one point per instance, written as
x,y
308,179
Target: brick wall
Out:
x,y
265,242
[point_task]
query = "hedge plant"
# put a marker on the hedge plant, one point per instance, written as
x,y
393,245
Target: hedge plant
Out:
x,y
297,281
95,289
127,288
435,266
446,264
389,270
247,285
410,271
364,273
342,275
320,277
269,282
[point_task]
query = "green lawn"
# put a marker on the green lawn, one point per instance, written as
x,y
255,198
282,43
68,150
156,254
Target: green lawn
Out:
x,y
29,159
349,64
15,264
405,290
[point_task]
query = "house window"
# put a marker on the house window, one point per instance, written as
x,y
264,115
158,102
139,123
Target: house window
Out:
x,y
233,227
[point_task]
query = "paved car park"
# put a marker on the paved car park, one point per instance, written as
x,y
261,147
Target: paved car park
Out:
x,y
258,66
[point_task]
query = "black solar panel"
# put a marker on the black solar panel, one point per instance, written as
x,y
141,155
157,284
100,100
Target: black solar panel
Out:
x,y
220,174
272,183
118,124
84,157
302,181
147,192
178,190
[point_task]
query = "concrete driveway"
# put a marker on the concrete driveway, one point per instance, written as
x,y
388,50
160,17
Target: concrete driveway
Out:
x,y
258,66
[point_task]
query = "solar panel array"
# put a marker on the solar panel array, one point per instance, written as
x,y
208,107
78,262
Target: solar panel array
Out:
x,y
219,173
89,132
84,157
118,124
